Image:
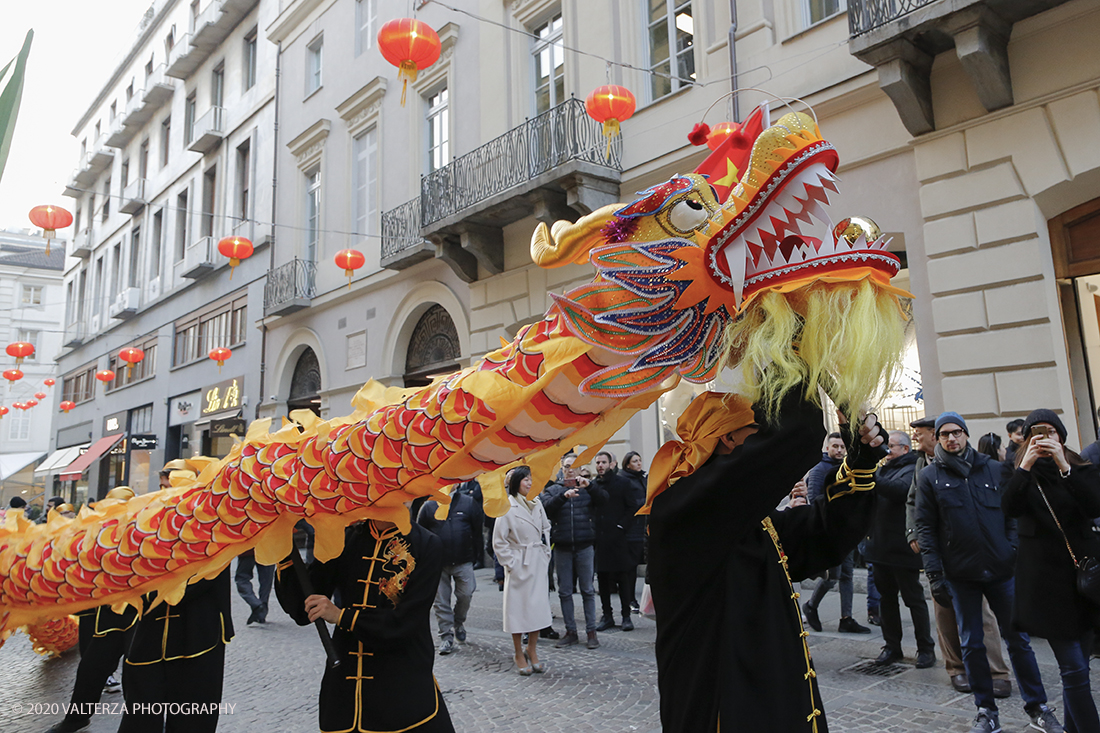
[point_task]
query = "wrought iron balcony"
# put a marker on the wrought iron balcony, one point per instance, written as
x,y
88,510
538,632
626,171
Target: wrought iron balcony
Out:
x,y
557,165
290,287
865,15
901,39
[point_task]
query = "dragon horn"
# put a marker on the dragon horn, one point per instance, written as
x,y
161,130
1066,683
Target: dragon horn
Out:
x,y
567,242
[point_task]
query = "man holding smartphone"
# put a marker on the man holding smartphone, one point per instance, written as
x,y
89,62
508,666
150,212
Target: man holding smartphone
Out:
x,y
571,505
969,550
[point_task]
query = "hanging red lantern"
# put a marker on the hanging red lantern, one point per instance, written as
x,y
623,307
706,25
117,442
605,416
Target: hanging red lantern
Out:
x,y
50,219
610,104
18,406
220,355
236,249
20,350
13,375
31,403
409,45
131,356
49,381
105,375
3,411
724,130
349,260
67,405
40,395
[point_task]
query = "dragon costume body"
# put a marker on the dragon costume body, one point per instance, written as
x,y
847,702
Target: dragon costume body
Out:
x,y
685,284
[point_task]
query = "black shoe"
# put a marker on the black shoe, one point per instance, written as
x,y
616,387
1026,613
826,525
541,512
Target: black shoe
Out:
x,y
873,618
254,616
569,639
926,660
70,725
549,633
850,626
888,656
593,642
262,616
460,633
1002,688
628,625
961,683
607,622
812,619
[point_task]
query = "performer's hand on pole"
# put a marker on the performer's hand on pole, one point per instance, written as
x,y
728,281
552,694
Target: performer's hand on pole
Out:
x,y
320,607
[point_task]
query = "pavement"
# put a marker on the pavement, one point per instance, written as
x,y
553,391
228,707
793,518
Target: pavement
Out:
x,y
273,672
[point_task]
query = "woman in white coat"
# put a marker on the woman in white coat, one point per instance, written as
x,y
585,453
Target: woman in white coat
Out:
x,y
521,540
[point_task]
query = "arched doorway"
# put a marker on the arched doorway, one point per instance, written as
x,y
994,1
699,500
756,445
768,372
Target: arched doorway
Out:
x,y
305,384
433,347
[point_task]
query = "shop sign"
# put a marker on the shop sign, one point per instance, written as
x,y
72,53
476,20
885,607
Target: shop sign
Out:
x,y
229,426
222,396
143,442
183,409
115,423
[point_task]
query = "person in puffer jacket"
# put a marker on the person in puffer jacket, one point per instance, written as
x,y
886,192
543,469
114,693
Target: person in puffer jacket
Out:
x,y
969,549
570,504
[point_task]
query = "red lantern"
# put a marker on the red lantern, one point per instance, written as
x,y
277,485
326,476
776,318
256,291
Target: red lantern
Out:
x,y
610,104
67,405
40,395
220,355
30,403
49,381
236,249
3,411
105,375
409,45
349,260
725,130
20,350
131,356
18,406
13,375
50,219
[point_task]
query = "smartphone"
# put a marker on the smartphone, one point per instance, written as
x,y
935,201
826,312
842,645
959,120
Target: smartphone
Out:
x,y
570,483
1040,430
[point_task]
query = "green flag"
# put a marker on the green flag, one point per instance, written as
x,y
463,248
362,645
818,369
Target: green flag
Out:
x,y
10,96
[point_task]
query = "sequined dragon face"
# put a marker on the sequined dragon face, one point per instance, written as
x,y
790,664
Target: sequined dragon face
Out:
x,y
760,242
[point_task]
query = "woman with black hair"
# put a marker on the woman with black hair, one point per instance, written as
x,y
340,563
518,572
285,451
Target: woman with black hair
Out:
x,y
634,471
521,539
990,444
1053,493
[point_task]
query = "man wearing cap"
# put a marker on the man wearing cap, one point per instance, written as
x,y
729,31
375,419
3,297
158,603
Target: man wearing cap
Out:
x,y
947,628
969,551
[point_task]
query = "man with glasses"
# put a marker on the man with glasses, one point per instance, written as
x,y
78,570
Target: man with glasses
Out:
x,y
969,550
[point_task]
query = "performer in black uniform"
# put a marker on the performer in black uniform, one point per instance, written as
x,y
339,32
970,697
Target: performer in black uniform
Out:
x,y
388,583
731,650
178,656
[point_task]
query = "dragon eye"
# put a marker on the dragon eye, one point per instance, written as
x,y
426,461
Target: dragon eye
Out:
x,y
687,215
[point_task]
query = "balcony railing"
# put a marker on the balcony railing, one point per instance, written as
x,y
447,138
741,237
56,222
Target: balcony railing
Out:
x,y
290,287
401,228
866,15
564,133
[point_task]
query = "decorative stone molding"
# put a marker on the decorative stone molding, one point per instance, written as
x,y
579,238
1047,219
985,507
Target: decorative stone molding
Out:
x,y
528,12
307,147
439,71
360,110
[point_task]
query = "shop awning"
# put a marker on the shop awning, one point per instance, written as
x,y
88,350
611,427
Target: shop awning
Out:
x,y
228,414
73,471
59,459
13,463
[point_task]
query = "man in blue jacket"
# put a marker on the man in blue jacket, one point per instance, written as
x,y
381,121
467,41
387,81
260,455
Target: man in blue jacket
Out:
x,y
969,551
463,544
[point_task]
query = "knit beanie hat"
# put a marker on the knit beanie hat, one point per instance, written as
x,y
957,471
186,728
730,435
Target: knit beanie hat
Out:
x,y
1045,416
946,417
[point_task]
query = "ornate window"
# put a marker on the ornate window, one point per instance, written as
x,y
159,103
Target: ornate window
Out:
x,y
433,347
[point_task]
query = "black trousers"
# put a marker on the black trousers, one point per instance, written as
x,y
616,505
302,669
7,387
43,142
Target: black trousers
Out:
x,y
890,580
180,681
98,660
621,580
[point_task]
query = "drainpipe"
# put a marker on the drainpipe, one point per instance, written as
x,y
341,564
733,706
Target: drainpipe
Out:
x,y
733,58
271,247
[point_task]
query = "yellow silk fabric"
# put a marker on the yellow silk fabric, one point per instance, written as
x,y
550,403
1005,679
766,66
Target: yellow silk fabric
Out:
x,y
708,417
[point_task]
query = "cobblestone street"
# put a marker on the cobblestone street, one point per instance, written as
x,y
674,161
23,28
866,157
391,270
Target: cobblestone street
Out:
x,y
273,673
